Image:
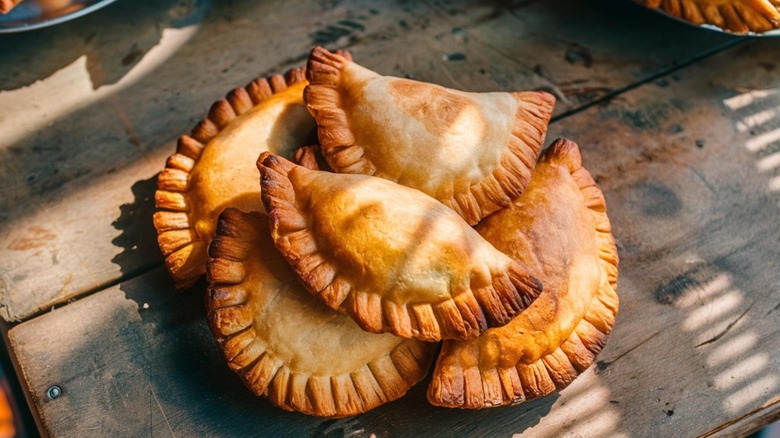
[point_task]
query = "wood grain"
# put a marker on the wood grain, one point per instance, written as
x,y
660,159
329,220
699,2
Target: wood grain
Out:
x,y
92,108
690,172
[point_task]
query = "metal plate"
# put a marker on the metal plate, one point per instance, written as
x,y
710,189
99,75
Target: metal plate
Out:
x,y
35,14
771,33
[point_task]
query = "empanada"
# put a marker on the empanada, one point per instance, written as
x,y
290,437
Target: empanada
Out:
x,y
738,16
474,152
287,345
560,230
214,166
394,258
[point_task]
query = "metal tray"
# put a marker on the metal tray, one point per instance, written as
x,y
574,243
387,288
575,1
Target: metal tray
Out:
x,y
771,33
35,14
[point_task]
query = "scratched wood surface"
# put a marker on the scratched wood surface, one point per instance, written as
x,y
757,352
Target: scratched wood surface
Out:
x,y
90,109
690,167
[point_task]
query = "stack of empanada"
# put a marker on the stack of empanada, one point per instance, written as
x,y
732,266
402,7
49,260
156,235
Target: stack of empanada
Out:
x,y
329,289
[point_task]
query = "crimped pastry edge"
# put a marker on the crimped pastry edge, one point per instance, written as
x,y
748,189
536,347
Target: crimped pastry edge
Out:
x,y
182,247
464,316
483,197
230,318
472,388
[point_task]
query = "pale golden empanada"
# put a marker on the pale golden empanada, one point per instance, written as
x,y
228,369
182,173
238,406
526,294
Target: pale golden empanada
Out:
x,y
287,345
394,258
738,16
560,230
214,166
474,152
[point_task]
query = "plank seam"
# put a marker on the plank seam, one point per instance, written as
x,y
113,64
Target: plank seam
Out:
x,y
652,78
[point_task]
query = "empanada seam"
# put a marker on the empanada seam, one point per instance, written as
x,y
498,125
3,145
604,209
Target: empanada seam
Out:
x,y
324,101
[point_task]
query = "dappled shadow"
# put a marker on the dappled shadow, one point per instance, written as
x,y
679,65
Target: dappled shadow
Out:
x,y
758,114
689,186
137,238
114,39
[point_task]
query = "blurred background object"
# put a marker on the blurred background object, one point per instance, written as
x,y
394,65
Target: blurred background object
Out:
x,y
35,14
755,17
15,418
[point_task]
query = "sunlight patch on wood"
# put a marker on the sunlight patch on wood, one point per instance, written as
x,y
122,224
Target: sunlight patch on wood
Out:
x,y
749,98
739,372
756,119
73,88
731,349
750,393
713,311
705,292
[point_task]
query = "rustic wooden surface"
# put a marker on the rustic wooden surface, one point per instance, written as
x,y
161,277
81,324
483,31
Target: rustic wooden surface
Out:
x,y
92,108
680,127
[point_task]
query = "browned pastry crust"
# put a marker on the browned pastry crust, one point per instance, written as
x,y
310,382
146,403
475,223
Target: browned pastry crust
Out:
x,y
311,157
395,259
474,152
285,344
7,5
213,166
737,16
560,230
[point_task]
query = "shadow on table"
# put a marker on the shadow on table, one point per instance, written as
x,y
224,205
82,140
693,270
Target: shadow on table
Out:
x,y
114,39
138,237
184,368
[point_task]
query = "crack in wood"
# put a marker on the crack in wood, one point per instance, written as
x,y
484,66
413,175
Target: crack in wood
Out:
x,y
650,79
603,365
165,417
728,327
750,427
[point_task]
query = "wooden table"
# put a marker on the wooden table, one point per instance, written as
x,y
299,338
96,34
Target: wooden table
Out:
x,y
680,126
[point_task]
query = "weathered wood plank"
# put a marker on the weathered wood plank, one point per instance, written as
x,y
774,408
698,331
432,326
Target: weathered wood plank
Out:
x,y
138,360
80,147
690,175
690,171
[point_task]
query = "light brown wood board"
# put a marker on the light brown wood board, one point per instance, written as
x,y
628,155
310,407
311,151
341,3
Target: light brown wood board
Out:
x,y
689,167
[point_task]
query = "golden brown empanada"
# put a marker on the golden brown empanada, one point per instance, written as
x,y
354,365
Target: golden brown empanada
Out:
x,y
738,16
474,152
394,258
560,230
214,166
287,345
